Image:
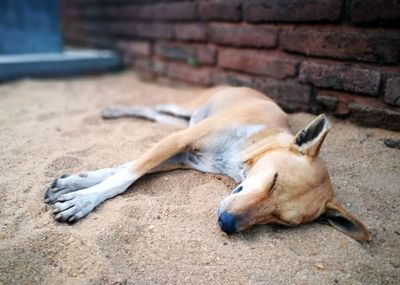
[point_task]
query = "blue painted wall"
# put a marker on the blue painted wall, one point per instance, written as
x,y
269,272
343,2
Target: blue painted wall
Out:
x,y
29,26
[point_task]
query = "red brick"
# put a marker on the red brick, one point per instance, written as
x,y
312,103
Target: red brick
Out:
x,y
382,46
197,75
257,62
345,98
291,10
341,77
135,47
392,91
174,51
243,35
373,117
193,54
377,11
327,103
180,11
190,32
149,30
138,30
289,94
206,55
220,10
221,77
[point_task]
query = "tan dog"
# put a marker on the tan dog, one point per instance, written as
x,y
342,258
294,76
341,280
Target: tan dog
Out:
x,y
237,132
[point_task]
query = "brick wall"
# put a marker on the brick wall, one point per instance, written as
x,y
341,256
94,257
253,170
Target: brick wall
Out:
x,y
338,56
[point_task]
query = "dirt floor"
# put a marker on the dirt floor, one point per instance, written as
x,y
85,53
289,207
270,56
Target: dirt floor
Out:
x,y
164,229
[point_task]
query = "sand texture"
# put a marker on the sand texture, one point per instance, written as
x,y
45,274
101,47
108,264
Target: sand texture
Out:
x,y
164,229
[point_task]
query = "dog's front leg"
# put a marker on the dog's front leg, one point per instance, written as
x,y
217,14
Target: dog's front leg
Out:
x,y
70,183
75,205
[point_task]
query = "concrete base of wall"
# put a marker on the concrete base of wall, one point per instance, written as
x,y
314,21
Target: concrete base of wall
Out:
x,y
68,63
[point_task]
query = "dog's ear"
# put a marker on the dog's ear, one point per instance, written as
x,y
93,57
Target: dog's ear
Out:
x,y
309,140
338,217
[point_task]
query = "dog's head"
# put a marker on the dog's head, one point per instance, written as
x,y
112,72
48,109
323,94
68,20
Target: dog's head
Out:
x,y
289,186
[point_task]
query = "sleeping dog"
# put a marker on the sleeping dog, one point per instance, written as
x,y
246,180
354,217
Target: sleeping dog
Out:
x,y
233,131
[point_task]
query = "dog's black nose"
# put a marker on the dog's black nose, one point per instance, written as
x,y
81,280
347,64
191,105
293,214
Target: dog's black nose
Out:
x,y
228,223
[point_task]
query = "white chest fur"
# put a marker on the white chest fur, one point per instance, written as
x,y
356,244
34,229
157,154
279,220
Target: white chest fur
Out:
x,y
221,154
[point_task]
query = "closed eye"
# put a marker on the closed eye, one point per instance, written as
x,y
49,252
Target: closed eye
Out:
x,y
238,189
273,183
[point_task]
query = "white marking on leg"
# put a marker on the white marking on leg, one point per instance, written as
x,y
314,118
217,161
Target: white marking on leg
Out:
x,y
173,109
74,182
85,200
86,179
143,112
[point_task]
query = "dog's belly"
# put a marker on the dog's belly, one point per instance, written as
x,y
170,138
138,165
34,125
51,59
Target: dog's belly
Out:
x,y
221,153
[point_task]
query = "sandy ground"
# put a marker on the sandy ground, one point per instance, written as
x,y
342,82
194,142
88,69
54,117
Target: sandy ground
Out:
x,y
164,228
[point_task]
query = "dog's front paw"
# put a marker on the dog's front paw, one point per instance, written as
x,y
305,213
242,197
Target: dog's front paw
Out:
x,y
62,185
74,206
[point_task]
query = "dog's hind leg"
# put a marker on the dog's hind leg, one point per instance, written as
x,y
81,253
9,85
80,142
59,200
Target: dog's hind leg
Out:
x,y
171,114
175,110
148,113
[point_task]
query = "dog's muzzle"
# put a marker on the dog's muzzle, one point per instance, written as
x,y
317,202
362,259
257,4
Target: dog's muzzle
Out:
x,y
228,223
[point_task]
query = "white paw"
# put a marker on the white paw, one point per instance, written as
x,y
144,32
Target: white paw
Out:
x,y
70,183
74,206
62,185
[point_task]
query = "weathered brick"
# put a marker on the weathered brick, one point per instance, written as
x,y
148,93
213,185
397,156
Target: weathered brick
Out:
x,y
135,47
382,46
206,55
327,102
257,62
220,10
345,98
138,30
192,54
149,30
291,10
374,117
392,91
378,11
190,32
341,77
243,35
221,77
180,11
197,75
174,51
290,95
